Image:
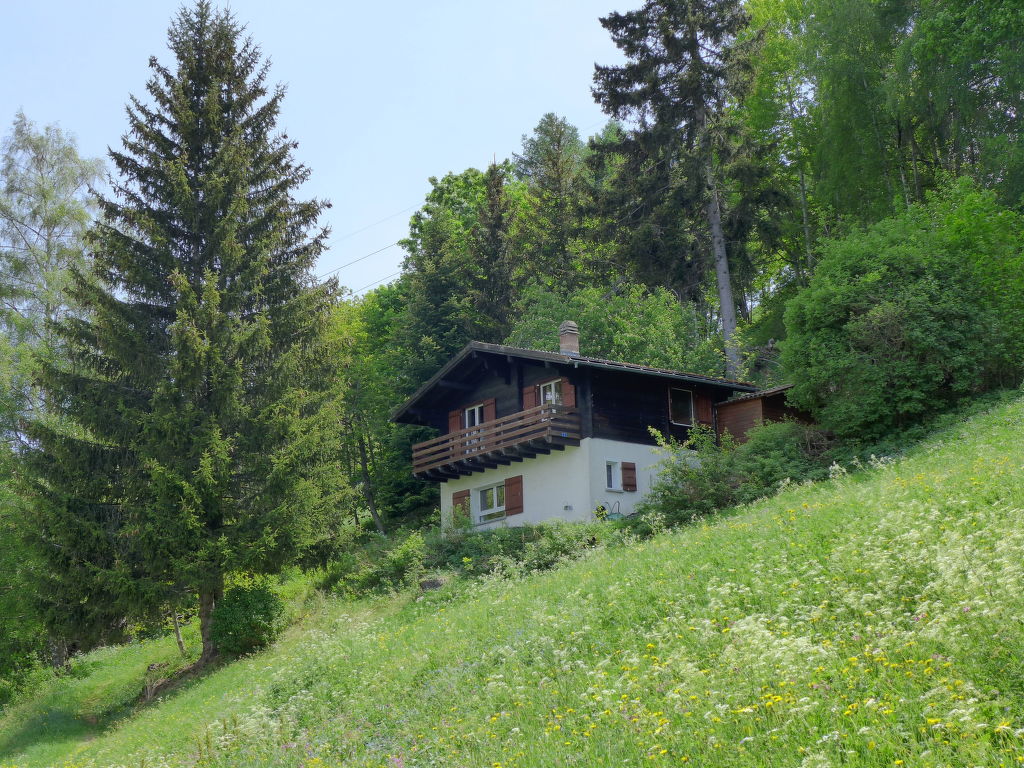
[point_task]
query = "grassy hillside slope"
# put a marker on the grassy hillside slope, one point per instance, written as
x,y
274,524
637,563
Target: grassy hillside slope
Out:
x,y
876,619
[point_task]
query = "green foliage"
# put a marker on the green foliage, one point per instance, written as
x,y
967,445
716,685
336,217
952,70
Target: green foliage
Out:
x,y
549,230
696,477
247,618
186,440
627,322
44,213
775,452
461,272
687,64
373,371
22,634
403,564
903,319
704,475
521,549
378,566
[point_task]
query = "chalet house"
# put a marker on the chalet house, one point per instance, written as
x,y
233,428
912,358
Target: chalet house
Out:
x,y
528,436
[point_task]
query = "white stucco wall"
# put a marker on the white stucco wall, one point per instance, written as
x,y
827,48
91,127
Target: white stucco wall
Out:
x,y
566,485
601,451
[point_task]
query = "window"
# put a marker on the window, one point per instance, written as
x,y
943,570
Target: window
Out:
x,y
680,406
551,392
473,416
612,476
490,503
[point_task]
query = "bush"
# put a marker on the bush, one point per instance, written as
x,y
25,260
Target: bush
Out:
x,y
526,547
377,568
249,617
778,451
402,565
696,477
904,319
701,476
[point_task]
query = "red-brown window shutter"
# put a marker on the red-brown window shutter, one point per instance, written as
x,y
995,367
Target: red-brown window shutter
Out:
x,y
490,409
460,499
628,476
529,397
514,495
568,394
454,421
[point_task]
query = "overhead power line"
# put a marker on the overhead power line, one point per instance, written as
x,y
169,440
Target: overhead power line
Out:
x,y
376,282
374,224
355,261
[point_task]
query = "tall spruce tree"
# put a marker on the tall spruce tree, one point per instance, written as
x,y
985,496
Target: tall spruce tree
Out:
x,y
184,445
682,60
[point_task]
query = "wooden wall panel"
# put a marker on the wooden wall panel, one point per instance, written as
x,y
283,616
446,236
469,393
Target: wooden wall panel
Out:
x,y
739,418
703,408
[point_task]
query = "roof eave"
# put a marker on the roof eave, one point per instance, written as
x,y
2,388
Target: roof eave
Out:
x,y
462,354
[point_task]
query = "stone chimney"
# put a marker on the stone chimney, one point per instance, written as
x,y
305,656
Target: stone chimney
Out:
x,y
569,338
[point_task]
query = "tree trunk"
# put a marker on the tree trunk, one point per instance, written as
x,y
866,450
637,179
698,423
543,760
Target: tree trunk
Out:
x,y
371,501
808,255
713,210
58,653
725,298
177,633
208,597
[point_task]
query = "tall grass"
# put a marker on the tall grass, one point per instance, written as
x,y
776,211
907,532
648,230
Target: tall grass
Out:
x,y
876,619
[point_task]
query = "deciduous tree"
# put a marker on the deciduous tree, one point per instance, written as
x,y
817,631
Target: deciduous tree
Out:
x,y
44,212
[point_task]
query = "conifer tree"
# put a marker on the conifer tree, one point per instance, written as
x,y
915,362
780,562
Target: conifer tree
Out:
x,y
184,444
682,60
553,164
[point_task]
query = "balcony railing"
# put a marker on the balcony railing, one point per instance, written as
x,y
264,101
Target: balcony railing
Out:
x,y
502,441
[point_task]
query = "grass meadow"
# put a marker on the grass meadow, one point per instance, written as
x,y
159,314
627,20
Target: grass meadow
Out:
x,y
876,619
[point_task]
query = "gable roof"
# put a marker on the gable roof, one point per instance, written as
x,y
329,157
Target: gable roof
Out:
x,y
577,361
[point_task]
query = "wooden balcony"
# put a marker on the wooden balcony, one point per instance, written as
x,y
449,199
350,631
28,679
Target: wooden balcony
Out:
x,y
502,441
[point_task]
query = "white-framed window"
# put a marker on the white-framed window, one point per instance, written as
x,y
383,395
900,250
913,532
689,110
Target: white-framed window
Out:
x,y
680,406
551,392
490,502
473,416
613,475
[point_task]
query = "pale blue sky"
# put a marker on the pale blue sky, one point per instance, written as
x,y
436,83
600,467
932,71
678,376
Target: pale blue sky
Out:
x,y
381,95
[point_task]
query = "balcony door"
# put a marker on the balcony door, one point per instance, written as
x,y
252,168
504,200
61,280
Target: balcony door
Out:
x,y
472,418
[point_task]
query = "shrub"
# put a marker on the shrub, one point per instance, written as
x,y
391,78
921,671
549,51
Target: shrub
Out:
x,y
403,565
778,451
527,547
377,568
701,475
902,320
248,617
696,477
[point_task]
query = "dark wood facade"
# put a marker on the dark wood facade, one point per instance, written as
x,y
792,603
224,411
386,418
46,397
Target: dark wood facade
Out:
x,y
599,398
626,407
